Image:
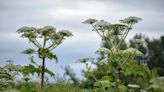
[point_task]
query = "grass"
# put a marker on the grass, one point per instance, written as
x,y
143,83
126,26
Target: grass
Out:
x,y
35,87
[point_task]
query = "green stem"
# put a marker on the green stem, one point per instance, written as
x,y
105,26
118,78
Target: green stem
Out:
x,y
35,44
53,47
124,36
117,74
96,30
94,77
38,43
44,43
125,61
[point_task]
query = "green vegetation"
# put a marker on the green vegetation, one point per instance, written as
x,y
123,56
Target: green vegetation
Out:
x,y
120,67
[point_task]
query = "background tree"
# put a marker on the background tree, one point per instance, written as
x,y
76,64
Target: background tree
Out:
x,y
45,39
72,75
156,55
154,52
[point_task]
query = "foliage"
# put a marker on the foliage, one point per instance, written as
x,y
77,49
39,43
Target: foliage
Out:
x,y
34,87
8,74
69,72
156,85
154,52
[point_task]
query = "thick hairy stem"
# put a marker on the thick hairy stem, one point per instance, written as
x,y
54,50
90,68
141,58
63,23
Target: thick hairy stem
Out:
x,y
42,73
117,75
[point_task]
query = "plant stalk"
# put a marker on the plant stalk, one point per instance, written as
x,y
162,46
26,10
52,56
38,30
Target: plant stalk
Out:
x,y
117,75
42,73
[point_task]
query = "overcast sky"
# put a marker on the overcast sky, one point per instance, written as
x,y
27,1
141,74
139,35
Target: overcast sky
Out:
x,y
68,14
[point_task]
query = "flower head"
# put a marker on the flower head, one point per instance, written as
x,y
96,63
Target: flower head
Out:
x,y
65,33
101,23
90,21
83,60
133,50
131,20
25,29
104,61
103,50
133,86
46,31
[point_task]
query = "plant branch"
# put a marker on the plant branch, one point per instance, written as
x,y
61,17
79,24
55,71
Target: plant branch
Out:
x,y
124,36
44,42
96,30
34,43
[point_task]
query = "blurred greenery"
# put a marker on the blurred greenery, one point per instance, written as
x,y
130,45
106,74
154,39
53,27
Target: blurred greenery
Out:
x,y
154,51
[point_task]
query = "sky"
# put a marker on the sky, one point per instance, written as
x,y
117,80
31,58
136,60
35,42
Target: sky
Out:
x,y
69,14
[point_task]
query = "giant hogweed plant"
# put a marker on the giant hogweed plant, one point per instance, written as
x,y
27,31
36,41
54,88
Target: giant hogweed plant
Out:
x,y
45,40
119,62
8,74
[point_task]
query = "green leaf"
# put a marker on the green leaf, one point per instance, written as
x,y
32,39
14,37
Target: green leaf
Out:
x,y
32,60
109,78
122,88
29,51
83,60
51,56
49,72
56,58
30,69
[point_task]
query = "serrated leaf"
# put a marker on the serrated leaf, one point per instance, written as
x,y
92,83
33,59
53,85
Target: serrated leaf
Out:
x,y
109,78
56,58
30,69
49,72
52,56
122,88
28,51
32,60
